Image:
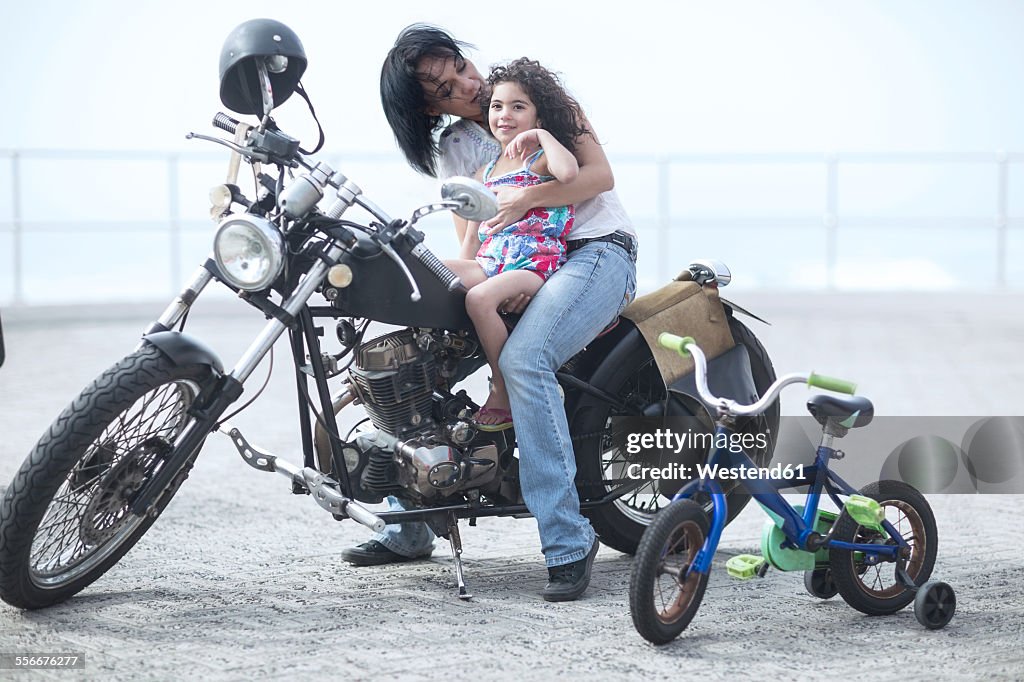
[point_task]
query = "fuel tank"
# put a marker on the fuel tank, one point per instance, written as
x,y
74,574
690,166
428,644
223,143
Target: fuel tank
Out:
x,y
380,291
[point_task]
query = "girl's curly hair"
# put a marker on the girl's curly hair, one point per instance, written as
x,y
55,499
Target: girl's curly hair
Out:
x,y
557,111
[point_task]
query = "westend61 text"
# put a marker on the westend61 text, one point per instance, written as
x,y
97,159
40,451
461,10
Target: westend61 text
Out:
x,y
666,439
677,471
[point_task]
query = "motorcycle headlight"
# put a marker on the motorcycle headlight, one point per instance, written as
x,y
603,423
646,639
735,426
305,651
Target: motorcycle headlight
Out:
x,y
249,252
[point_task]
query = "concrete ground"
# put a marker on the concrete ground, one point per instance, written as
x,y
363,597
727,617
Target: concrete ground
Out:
x,y
242,580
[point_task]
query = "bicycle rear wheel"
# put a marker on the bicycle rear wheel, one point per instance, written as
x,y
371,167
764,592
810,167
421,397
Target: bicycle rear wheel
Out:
x,y
875,589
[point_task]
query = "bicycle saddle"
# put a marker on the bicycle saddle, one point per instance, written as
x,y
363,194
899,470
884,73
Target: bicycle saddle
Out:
x,y
849,412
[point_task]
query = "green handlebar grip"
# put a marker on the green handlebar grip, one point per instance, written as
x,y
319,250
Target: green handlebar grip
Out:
x,y
831,384
676,343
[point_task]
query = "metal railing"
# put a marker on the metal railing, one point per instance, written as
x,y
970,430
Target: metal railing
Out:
x,y
663,216
1000,220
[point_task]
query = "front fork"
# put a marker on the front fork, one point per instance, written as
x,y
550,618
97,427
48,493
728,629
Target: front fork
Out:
x,y
180,305
702,562
229,386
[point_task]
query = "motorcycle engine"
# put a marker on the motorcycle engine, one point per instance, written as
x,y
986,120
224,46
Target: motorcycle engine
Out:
x,y
395,380
422,446
428,471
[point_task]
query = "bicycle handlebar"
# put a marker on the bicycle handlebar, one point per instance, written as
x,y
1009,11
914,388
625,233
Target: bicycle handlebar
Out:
x,y
687,346
831,384
676,343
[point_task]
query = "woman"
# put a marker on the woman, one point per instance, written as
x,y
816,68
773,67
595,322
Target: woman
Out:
x,y
426,78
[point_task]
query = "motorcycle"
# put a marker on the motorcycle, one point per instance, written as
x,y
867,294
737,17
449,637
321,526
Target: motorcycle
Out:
x,y
112,461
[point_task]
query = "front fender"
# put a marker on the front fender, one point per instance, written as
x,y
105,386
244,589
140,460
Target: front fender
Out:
x,y
185,349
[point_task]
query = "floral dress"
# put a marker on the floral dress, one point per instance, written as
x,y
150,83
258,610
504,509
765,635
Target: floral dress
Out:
x,y
537,241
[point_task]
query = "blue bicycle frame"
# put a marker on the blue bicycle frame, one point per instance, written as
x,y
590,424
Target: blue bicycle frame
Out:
x,y
797,529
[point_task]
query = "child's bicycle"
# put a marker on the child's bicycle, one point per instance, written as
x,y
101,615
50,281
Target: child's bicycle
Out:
x,y
877,553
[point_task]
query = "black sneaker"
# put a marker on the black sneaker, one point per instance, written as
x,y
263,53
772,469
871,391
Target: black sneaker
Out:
x,y
373,553
569,581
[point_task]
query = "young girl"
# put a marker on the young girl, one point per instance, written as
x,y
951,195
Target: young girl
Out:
x,y
536,123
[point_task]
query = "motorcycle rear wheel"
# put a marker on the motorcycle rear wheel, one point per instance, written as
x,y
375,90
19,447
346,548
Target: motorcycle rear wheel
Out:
x,y
64,519
637,382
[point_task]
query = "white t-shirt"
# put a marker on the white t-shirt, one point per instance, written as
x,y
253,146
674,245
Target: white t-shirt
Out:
x,y
467,147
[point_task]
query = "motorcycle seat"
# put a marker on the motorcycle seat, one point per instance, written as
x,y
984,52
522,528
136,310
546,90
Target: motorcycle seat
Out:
x,y
849,412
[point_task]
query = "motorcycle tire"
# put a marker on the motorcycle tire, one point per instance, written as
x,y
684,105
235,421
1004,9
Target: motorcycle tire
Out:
x,y
64,519
621,523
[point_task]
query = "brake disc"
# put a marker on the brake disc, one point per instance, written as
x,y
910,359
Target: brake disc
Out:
x,y
108,505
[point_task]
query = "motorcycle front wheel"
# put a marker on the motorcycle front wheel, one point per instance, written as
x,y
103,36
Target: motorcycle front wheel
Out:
x,y
64,520
637,382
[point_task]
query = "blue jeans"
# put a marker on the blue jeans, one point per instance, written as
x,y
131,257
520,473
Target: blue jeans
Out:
x,y
568,312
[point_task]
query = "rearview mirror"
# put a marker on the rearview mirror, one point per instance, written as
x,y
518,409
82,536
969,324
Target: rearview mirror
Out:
x,y
478,202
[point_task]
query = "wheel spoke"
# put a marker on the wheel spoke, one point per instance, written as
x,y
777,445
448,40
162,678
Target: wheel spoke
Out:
x,y
65,516
91,506
642,388
138,427
909,527
58,541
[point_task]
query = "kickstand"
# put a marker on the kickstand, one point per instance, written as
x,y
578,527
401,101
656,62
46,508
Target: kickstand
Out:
x,y
456,542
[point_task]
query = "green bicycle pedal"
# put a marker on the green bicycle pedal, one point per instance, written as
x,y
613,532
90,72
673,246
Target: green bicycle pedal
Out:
x,y
744,566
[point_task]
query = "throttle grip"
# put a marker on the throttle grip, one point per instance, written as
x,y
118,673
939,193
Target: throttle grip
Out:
x,y
225,122
450,280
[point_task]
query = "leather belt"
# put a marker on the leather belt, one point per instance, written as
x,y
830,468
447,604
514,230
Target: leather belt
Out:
x,y
619,238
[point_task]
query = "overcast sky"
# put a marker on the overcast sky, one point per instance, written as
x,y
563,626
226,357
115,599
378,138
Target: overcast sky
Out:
x,y
711,76
731,75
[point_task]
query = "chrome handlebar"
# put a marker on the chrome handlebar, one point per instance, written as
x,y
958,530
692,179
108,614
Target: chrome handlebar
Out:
x,y
305,195
727,406
685,345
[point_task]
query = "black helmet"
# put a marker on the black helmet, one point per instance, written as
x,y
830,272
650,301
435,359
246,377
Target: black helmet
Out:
x,y
249,42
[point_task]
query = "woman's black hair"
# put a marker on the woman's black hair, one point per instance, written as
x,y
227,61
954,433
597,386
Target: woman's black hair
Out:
x,y
557,111
401,92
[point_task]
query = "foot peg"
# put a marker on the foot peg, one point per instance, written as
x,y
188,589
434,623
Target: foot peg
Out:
x,y
323,489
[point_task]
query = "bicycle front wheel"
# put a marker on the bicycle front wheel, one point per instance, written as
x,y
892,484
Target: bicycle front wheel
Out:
x,y
663,596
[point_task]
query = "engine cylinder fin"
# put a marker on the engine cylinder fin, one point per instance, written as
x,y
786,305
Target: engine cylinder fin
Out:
x,y
395,380
379,474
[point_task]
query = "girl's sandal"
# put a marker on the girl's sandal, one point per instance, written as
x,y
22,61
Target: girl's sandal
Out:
x,y
504,419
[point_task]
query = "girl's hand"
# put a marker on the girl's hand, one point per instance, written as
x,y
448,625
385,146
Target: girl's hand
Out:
x,y
516,304
513,203
524,144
